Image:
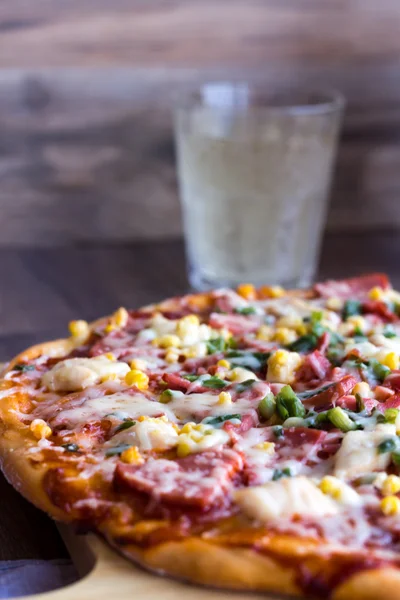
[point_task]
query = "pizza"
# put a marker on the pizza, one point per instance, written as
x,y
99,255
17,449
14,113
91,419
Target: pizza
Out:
x,y
242,439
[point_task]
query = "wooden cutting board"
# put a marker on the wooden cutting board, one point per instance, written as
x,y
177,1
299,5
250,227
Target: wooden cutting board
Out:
x,y
105,575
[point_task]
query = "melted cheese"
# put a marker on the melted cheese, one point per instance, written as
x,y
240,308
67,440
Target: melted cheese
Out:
x,y
198,406
125,405
358,453
75,374
148,434
284,498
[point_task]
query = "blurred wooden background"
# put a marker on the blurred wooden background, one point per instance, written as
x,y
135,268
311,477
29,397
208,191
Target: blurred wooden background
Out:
x,y
86,146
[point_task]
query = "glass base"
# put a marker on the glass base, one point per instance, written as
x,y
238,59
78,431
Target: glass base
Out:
x,y
202,283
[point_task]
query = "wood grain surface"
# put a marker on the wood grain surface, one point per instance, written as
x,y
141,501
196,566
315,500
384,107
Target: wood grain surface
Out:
x,y
42,289
196,32
86,87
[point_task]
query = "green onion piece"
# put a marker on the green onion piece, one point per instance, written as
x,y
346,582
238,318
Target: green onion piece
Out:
x,y
358,334
166,396
117,450
396,458
214,383
391,415
340,419
380,417
387,446
248,360
267,406
311,393
244,385
389,332
70,447
216,345
305,343
126,424
288,404
278,432
279,473
22,367
316,317
222,419
366,479
360,404
322,417
351,308
190,377
247,310
379,370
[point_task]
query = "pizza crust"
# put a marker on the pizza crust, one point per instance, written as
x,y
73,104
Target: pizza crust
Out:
x,y
194,559
198,561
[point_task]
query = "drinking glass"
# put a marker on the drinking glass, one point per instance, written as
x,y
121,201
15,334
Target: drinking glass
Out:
x,y
254,174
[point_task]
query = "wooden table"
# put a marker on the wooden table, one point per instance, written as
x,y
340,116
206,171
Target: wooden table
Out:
x,y
42,289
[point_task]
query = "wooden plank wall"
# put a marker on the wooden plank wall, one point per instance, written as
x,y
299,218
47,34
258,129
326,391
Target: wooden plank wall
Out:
x,y
86,87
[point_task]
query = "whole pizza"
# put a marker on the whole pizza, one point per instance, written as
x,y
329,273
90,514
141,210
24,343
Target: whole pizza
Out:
x,y
240,439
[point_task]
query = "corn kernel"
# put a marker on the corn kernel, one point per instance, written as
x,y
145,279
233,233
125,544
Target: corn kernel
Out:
x,y
167,341
200,301
138,363
376,293
358,322
189,320
390,505
280,357
363,389
224,363
391,485
120,317
224,398
269,447
285,336
265,333
132,456
391,360
171,356
79,329
330,486
274,291
138,378
109,377
334,303
40,429
187,428
110,356
290,322
183,449
246,290
109,328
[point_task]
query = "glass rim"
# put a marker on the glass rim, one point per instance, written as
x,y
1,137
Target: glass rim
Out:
x,y
242,96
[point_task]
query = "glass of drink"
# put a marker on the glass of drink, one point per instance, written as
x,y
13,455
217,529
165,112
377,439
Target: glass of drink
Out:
x,y
254,174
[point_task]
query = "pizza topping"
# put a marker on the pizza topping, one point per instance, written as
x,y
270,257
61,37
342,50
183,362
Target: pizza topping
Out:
x,y
197,480
285,497
359,452
357,287
282,366
147,433
75,374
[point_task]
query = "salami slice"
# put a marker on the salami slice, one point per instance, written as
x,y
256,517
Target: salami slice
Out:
x,y
355,287
197,480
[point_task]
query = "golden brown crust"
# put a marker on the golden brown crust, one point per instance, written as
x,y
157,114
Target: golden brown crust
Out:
x,y
193,559
217,566
370,585
198,561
